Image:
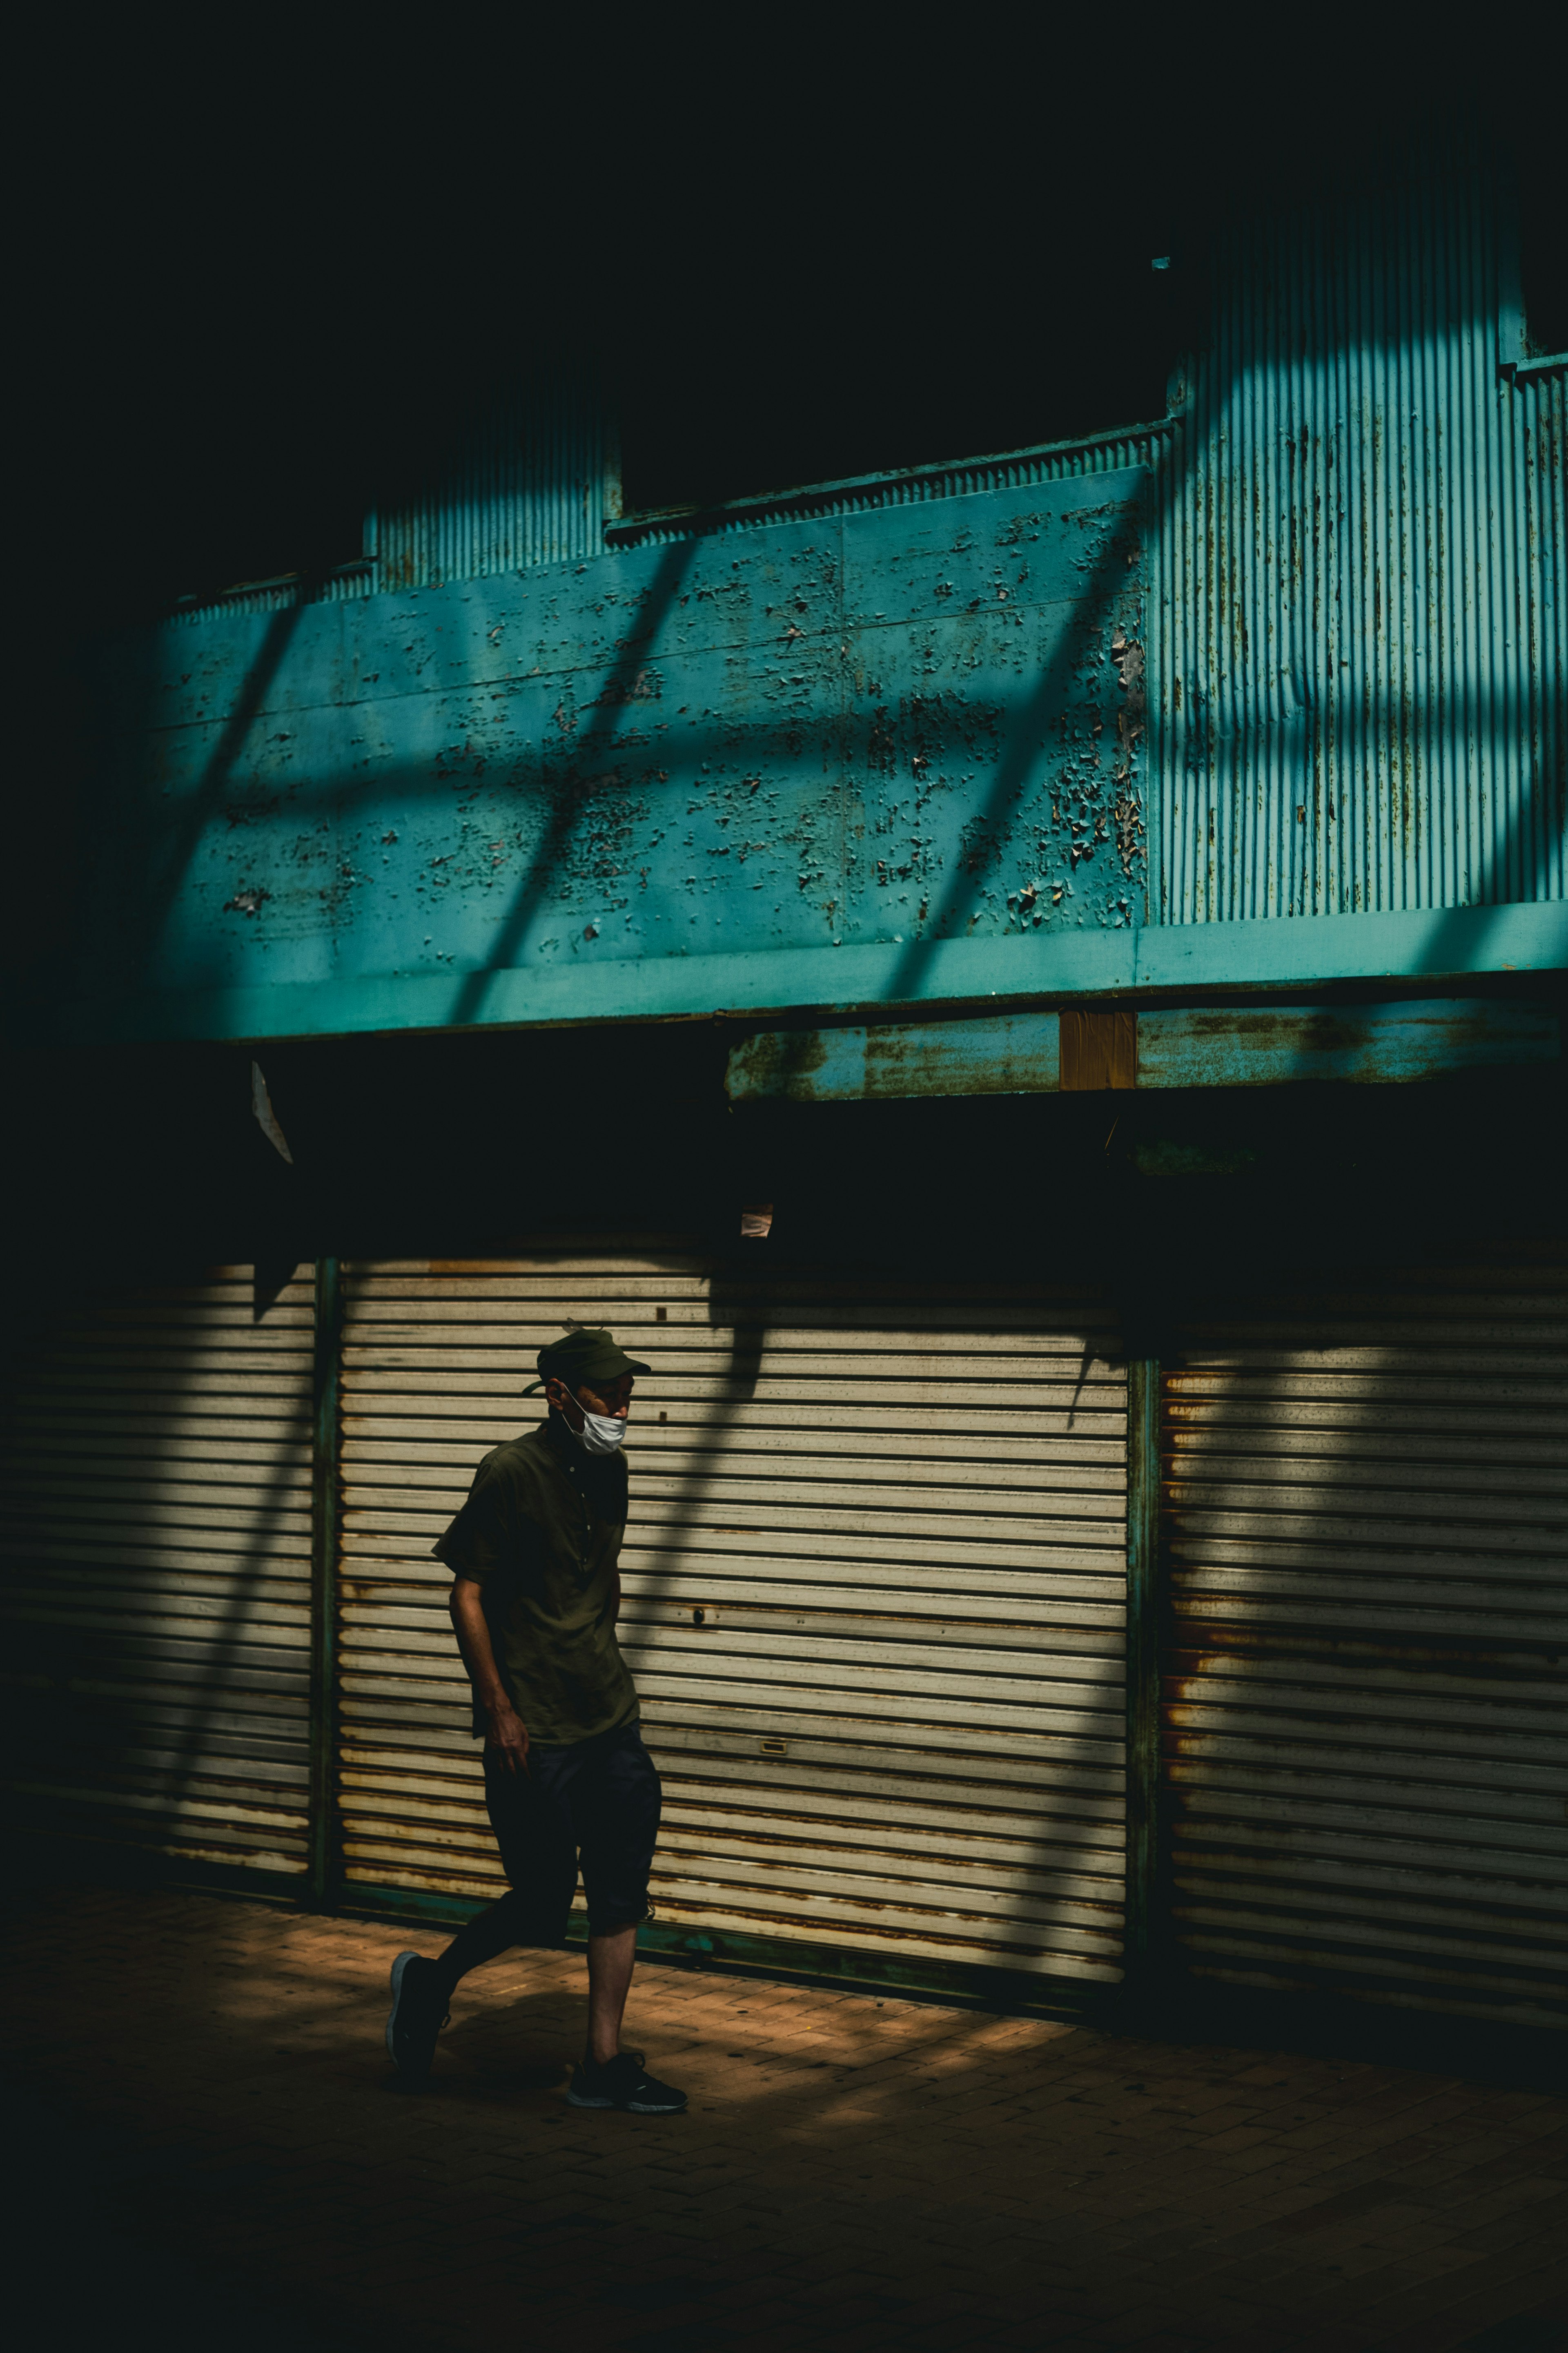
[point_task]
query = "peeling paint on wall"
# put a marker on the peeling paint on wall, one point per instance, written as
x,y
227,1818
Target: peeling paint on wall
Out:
x,y
908,725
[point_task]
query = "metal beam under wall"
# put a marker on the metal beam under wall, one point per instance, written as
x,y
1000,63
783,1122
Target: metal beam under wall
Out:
x,y
1116,1047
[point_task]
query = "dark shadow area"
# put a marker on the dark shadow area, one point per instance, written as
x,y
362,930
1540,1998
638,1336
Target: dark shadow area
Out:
x,y
822,279
1363,1524
153,1452
79,2277
155,1695
407,1144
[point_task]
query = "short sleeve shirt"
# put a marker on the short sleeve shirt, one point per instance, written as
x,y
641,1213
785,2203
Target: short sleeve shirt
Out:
x,y
541,1533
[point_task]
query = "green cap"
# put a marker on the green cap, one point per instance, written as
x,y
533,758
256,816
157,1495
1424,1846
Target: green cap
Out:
x,y
582,1357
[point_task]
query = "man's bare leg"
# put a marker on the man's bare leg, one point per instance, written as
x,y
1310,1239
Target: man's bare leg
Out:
x,y
610,1962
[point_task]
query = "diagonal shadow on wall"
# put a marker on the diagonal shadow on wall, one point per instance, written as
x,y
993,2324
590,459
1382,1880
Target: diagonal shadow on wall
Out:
x,y
153,1629
178,844
581,774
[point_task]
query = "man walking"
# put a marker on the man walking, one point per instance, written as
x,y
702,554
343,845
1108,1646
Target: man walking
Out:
x,y
535,1594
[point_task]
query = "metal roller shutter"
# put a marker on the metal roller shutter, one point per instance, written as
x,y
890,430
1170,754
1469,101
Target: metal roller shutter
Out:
x,y
1365,1710
875,1597
157,1544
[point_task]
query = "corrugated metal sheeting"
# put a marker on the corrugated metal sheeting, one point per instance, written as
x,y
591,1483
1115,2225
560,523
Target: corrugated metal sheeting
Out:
x,y
157,1541
531,480
1367,1734
532,485
1052,462
345,584
874,1596
1360,656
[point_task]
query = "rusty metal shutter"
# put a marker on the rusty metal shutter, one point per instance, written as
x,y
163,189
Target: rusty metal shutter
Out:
x,y
874,1597
1365,1739
157,1542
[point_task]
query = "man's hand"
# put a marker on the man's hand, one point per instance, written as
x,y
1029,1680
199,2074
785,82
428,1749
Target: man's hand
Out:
x,y
507,1732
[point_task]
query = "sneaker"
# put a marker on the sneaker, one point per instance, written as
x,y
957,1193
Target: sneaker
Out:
x,y
418,2013
624,2082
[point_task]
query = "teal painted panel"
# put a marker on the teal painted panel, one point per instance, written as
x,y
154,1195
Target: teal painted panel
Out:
x,y
1014,1054
1431,1038
894,729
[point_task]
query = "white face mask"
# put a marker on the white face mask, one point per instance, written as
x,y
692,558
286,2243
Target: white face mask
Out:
x,y
601,1433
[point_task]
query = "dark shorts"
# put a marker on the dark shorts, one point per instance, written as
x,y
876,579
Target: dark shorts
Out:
x,y
598,1800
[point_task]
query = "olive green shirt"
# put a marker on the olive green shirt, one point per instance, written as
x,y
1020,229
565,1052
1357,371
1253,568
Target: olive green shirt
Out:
x,y
541,1533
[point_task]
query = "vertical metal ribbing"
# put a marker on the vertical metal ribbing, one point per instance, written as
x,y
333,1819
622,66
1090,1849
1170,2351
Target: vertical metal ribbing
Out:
x,y
1533,847
1381,427
1146,785
1466,613
1242,679
1501,743
1287,782
1365,551
1555,599
1385,641
1320,398
1480,355
1173,779
1263,515
1405,543
1532,778
1437,783
325,1844
529,489
1218,602
1236,459
1163,774
1351,511
1145,1920
1549,409
1451,513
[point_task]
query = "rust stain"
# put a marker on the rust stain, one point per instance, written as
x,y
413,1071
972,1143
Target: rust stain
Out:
x,y
1099,1050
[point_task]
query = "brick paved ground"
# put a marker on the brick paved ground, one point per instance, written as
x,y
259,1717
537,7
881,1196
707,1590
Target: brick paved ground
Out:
x,y
213,2130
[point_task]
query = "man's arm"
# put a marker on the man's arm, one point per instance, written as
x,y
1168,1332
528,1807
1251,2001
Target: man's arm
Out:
x,y
508,1731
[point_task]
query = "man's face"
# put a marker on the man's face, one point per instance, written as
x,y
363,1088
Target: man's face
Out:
x,y
612,1399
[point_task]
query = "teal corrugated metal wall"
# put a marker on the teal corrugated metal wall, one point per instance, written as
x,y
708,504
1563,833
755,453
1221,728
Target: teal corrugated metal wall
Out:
x,y
1359,640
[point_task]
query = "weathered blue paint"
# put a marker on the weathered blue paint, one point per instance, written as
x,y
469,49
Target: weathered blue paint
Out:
x,y
1016,1054
1430,1038
1187,1046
